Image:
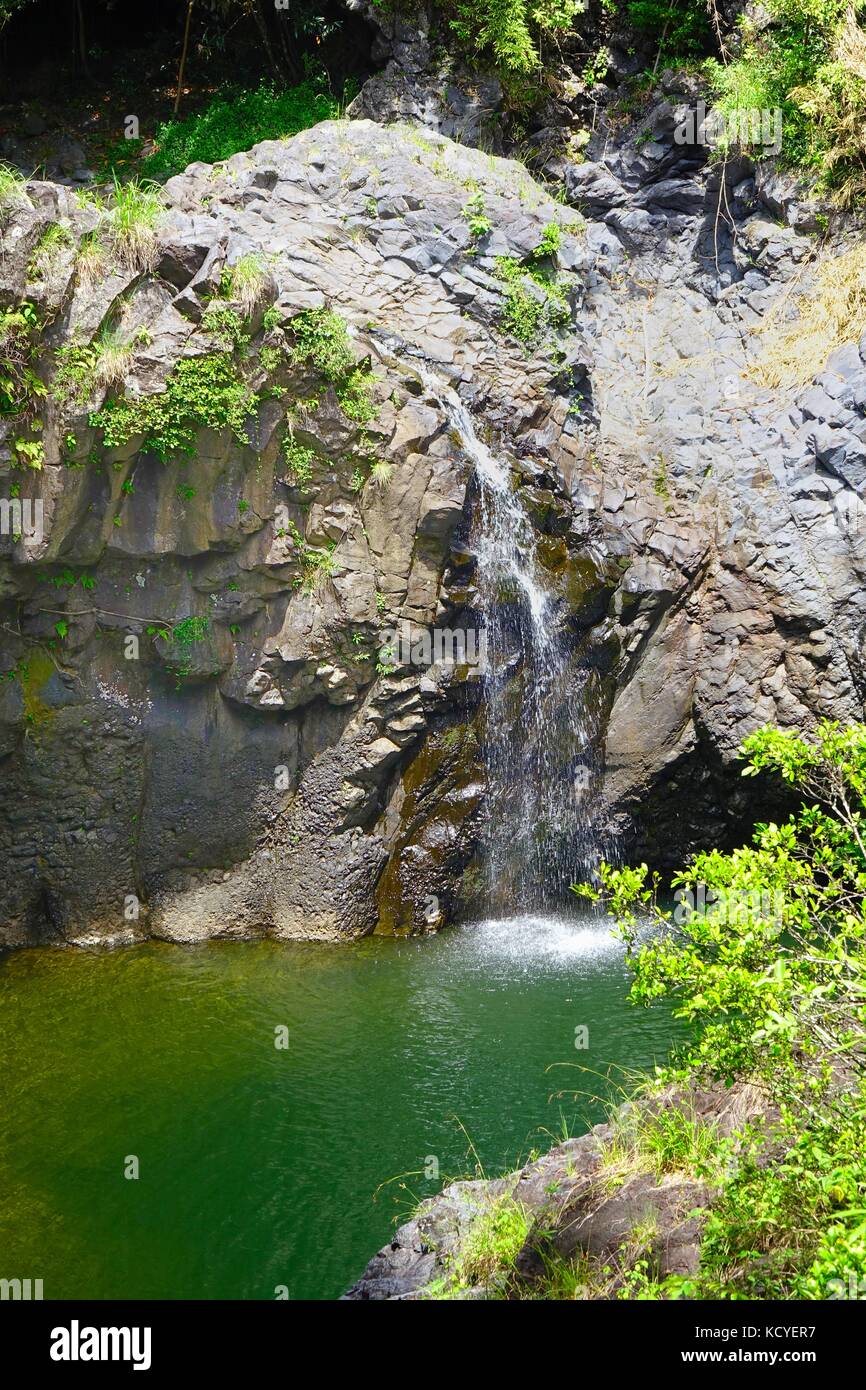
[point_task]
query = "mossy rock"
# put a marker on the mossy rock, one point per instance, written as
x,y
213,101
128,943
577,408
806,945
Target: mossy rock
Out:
x,y
546,512
36,675
587,585
440,794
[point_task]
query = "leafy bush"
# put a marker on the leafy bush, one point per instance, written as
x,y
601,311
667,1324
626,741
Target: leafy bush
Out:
x,y
322,339
235,121
766,955
510,30
810,63
201,392
533,298
835,102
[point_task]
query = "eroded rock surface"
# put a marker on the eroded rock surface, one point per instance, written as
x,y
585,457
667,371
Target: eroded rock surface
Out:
x,y
275,774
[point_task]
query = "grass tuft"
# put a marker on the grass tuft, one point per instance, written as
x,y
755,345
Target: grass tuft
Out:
x,y
13,191
132,223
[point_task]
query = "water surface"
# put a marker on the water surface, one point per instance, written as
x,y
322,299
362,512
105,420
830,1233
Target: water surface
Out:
x,y
261,1167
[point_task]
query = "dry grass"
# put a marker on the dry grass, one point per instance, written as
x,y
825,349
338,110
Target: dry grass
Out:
x,y
114,356
92,258
247,280
831,314
132,223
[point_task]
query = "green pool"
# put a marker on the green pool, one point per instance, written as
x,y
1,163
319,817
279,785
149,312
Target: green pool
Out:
x,y
262,1166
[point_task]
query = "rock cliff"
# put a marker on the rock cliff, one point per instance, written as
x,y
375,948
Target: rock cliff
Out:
x,y
204,728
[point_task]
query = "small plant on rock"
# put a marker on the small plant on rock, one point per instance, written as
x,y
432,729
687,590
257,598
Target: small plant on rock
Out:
x,y
132,223
245,282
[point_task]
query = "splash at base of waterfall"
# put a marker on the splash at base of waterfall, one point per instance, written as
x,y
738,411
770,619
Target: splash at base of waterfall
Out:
x,y
536,940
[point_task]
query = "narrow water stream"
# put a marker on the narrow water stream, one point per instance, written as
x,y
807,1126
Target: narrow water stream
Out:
x,y
541,769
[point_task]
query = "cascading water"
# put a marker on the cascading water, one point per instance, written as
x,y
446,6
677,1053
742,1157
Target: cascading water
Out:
x,y
537,727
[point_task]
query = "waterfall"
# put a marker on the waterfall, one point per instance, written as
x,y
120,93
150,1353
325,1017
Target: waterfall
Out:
x,y
536,722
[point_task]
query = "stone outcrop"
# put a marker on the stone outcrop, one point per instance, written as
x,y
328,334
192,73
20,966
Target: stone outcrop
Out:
x,y
583,1203
247,780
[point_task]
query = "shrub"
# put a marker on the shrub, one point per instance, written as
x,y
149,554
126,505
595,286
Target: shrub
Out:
x,y
201,392
769,968
510,30
681,28
322,339
235,121
533,298
299,460
798,65
835,102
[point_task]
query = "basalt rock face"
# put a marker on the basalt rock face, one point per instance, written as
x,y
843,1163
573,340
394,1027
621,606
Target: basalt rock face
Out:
x,y
237,766
733,512
254,762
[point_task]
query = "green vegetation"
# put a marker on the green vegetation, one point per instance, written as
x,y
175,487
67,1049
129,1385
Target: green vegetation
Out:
x,y
533,298
299,460
319,565
13,192
235,121
52,242
810,64
479,222
245,282
322,340
681,28
20,387
510,31
179,641
82,367
489,1253
201,393
225,324
92,257
132,222
769,966
381,472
